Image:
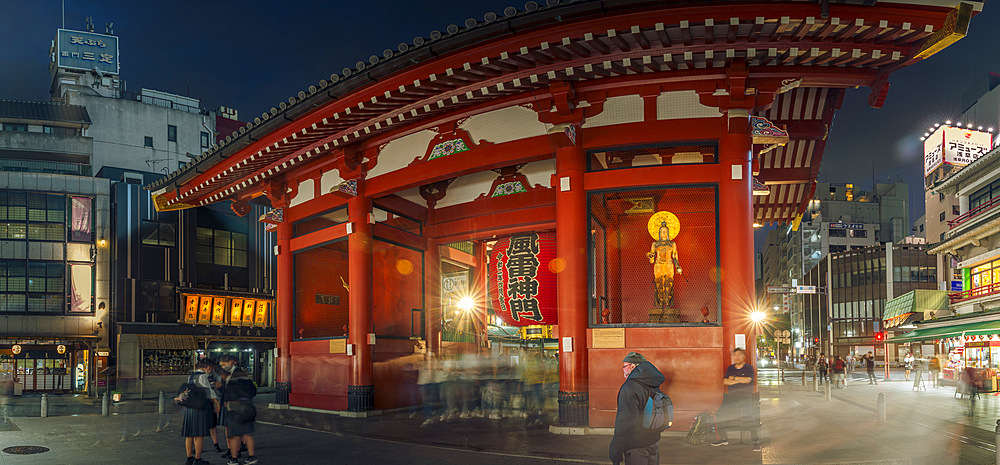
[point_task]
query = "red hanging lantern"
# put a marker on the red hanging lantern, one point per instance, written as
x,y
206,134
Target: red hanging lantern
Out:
x,y
522,279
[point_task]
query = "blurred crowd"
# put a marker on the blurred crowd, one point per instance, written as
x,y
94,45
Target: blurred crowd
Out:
x,y
514,382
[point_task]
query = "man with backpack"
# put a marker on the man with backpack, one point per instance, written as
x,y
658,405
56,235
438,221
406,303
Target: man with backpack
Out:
x,y
740,378
639,420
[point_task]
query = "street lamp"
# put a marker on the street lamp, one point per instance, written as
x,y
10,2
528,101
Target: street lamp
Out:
x,y
757,316
466,303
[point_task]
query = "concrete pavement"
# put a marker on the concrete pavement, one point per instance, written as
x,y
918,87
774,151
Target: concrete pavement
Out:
x,y
799,426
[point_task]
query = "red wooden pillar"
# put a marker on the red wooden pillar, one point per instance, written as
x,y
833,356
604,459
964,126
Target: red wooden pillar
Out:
x,y
571,246
286,299
432,297
736,240
360,390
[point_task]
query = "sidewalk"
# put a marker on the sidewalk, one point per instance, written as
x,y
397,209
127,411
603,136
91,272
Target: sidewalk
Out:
x,y
799,426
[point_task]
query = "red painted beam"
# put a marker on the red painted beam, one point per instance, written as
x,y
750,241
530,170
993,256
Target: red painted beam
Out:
x,y
397,204
319,237
652,176
485,226
482,158
401,237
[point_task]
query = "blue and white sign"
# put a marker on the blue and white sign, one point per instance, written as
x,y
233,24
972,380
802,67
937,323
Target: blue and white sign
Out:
x,y
847,226
956,286
86,51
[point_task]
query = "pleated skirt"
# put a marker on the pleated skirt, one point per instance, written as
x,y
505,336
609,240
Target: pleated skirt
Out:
x,y
198,423
233,428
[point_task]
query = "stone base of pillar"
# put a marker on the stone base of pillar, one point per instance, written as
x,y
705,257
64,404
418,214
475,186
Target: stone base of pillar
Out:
x,y
574,408
361,398
281,391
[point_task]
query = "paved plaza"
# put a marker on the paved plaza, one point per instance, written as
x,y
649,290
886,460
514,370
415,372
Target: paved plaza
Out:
x,y
799,426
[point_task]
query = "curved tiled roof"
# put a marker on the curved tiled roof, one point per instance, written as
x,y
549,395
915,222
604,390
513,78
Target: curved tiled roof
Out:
x,y
409,55
44,111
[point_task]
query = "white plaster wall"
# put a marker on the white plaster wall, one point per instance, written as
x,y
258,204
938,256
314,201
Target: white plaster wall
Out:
x,y
401,152
683,104
467,188
618,110
305,194
539,172
505,125
329,180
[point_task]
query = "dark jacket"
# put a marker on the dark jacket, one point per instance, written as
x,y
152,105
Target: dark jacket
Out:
x,y
632,397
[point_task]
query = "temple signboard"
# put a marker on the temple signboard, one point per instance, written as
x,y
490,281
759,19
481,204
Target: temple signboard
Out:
x,y
522,279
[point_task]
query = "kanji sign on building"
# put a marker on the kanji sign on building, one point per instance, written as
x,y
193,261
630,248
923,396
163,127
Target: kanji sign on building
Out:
x,y
522,285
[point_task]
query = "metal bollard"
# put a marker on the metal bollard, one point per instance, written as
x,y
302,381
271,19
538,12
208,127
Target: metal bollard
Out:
x,y
997,441
105,407
815,381
881,407
163,403
45,405
829,395
803,379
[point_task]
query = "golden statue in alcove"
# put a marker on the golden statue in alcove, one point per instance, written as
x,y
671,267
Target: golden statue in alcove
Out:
x,y
663,227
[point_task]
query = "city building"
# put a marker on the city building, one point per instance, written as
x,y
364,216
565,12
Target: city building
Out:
x,y
54,250
859,283
599,147
95,285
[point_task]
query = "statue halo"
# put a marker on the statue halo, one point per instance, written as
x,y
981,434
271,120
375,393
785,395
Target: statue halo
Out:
x,y
663,217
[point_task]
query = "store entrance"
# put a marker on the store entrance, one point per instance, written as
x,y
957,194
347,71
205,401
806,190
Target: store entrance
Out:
x,y
43,375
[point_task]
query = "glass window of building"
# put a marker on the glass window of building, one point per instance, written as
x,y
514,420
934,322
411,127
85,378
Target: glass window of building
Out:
x,y
162,234
219,247
171,133
204,140
147,142
15,127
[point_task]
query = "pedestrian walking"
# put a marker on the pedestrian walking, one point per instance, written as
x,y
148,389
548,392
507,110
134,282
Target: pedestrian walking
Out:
x,y
934,366
823,368
429,390
839,371
870,368
633,444
198,422
238,413
740,377
908,365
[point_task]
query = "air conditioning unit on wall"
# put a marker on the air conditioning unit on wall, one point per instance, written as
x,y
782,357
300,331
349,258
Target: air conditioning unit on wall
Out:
x,y
131,178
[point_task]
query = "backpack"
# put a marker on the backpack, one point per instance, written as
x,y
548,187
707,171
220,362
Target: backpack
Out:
x,y
701,425
658,414
191,395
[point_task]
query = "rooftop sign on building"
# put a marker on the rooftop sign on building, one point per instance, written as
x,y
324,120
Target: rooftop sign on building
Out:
x,y
949,145
86,51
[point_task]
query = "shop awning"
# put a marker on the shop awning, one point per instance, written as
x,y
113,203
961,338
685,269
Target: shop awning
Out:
x,y
167,342
968,329
902,309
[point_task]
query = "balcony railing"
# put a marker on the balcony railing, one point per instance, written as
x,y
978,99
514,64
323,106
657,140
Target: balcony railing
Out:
x,y
973,213
973,293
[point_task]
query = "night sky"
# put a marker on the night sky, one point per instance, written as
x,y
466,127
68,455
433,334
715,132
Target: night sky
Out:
x,y
251,55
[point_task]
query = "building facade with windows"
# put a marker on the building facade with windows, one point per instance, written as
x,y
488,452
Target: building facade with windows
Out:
x,y
54,250
859,283
972,242
188,284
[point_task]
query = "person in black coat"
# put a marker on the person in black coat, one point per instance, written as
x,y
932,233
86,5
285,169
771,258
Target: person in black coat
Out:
x,y
633,444
237,389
